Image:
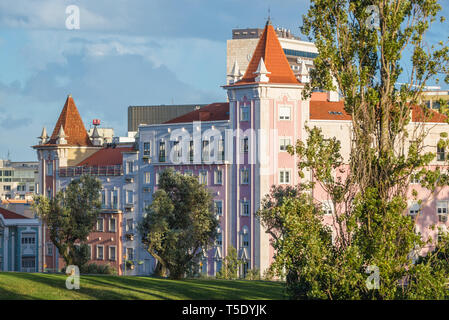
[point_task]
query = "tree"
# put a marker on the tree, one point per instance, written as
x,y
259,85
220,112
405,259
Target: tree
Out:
x,y
70,216
230,266
179,222
369,190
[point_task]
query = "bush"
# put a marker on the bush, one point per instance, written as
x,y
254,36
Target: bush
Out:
x,y
253,274
93,268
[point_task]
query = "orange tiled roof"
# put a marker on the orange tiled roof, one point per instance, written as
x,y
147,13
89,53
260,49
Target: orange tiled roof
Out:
x,y
212,112
274,58
325,110
11,215
106,157
70,120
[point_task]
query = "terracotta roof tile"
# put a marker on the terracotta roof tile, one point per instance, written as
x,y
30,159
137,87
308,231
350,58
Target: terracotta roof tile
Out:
x,y
106,157
212,112
270,49
325,110
73,125
11,215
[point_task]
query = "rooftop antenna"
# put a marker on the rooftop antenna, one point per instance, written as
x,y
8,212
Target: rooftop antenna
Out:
x,y
269,16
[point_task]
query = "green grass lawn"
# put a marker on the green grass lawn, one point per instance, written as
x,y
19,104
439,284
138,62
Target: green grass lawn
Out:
x,y
52,286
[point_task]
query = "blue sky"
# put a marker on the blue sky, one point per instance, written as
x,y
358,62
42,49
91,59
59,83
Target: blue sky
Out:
x,y
137,52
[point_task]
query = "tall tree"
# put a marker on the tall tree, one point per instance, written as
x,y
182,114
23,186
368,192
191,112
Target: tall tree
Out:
x,y
70,216
179,223
361,45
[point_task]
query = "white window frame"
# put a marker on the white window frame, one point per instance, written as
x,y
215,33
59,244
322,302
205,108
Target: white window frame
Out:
x,y
244,113
442,207
327,207
203,174
282,145
115,253
282,181
97,253
282,115
114,229
102,225
244,176
147,177
245,206
218,173
216,206
414,209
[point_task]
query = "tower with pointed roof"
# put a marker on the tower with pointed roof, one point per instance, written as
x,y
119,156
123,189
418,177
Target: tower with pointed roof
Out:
x,y
266,111
68,145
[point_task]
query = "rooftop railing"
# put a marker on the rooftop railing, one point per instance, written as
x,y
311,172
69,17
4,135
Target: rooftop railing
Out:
x,y
116,170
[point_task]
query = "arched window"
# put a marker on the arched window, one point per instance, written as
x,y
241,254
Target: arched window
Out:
x,y
245,237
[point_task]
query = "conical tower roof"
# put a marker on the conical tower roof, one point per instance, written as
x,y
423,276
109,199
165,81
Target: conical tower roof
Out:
x,y
270,50
72,124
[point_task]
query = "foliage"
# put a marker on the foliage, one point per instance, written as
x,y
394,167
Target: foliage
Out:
x,y
178,223
253,274
70,216
368,189
230,265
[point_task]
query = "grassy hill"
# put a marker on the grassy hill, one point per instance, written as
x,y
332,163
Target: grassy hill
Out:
x,y
52,286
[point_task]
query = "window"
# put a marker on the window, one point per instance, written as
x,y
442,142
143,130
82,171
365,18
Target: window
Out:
x,y
129,225
441,156
327,207
31,188
218,264
414,179
49,247
442,207
283,143
100,224
191,151
130,197
244,145
218,177
284,113
218,207
115,199
203,177
414,209
219,239
157,178
112,253
177,155
146,149
49,168
129,167
244,176
188,173
28,238
21,188
435,104
162,151
28,264
221,151
7,188
284,177
244,208
100,252
205,150
147,177
244,237
112,225
244,113
103,198
130,253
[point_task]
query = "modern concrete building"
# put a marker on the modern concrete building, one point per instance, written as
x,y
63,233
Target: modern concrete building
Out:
x,y
138,115
240,48
18,180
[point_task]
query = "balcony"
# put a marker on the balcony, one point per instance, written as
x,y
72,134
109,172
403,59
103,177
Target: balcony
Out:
x,y
116,170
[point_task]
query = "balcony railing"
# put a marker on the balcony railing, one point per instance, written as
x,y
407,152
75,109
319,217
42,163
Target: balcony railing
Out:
x,y
116,170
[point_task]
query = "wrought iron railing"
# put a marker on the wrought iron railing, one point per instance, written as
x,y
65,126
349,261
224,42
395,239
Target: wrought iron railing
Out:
x,y
116,170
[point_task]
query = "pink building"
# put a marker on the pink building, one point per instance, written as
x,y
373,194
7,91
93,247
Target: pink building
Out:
x,y
237,149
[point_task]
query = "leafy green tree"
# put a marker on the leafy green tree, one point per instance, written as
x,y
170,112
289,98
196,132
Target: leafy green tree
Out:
x,y
70,216
364,60
179,222
230,265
